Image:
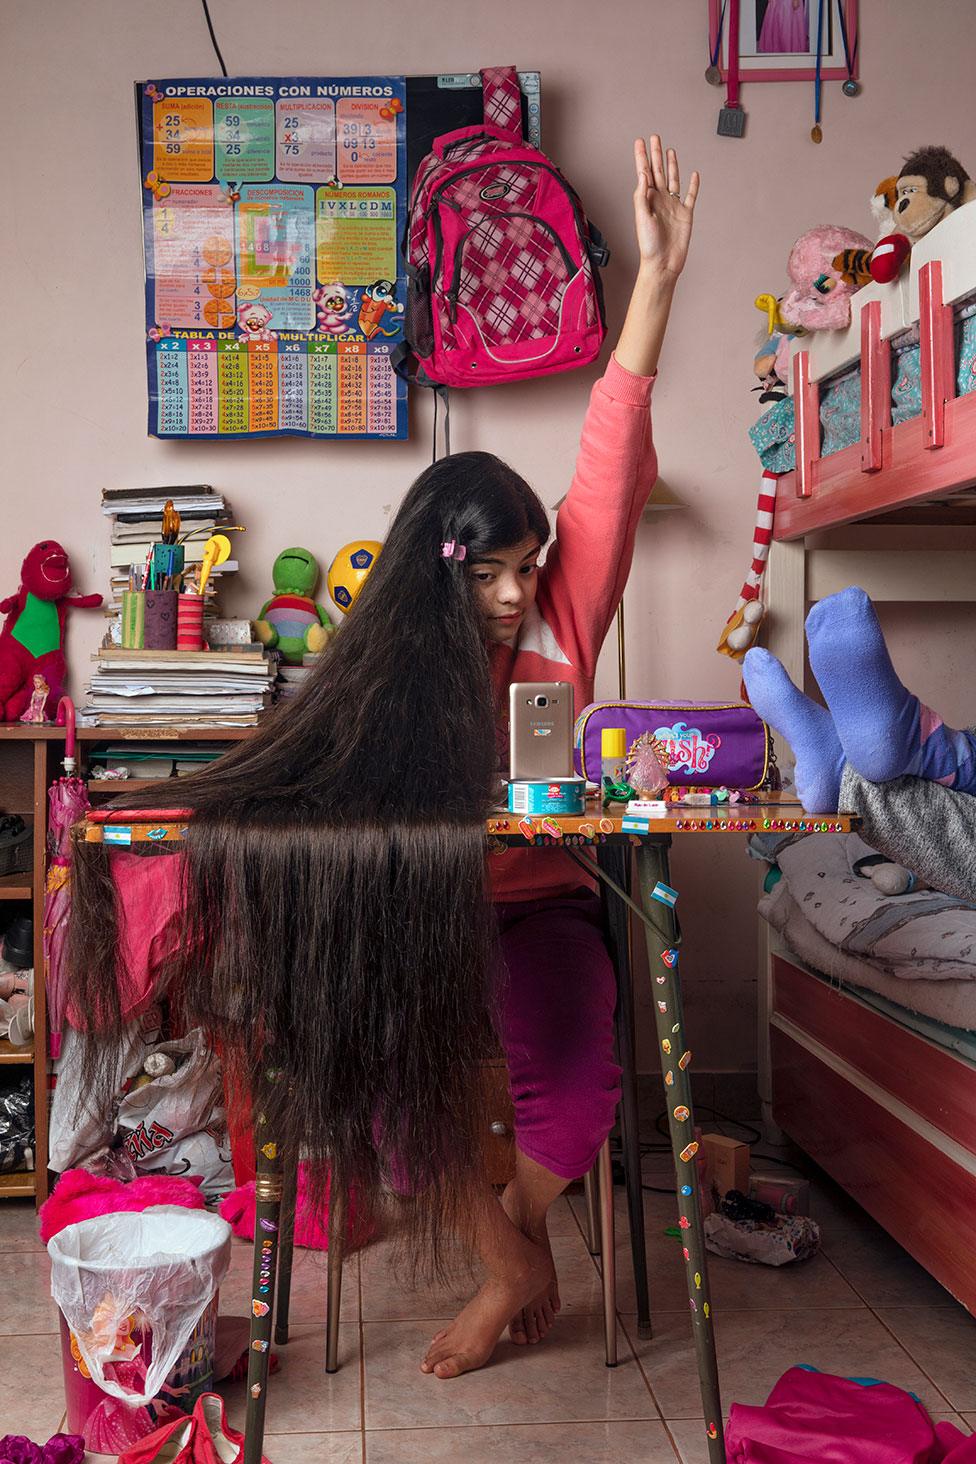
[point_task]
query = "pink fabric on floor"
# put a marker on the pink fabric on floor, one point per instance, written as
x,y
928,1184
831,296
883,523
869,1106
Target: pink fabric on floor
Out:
x,y
814,1416
311,1229
79,1195
149,902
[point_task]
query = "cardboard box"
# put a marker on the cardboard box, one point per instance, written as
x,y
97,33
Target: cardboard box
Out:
x,y
726,1164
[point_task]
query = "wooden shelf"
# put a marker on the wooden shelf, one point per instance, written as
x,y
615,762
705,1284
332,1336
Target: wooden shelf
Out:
x,y
15,887
9,1053
29,762
17,1182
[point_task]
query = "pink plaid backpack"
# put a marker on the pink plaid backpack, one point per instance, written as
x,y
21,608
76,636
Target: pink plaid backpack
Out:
x,y
501,260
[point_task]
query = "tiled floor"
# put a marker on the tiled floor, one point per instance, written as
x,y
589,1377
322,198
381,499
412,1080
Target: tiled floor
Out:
x,y
862,1307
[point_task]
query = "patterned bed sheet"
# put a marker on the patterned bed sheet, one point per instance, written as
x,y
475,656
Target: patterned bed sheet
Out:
x,y
774,435
915,953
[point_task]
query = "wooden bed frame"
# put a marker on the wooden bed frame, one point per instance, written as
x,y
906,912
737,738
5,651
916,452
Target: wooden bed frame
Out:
x,y
889,1114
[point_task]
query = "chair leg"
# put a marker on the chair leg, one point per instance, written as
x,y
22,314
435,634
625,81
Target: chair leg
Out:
x,y
615,861
590,1190
267,1219
608,1254
286,1252
337,1211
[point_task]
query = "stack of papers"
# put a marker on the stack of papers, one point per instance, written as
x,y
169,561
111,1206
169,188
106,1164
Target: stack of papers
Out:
x,y
290,678
178,688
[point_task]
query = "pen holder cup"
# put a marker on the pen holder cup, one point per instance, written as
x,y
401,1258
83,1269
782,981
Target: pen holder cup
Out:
x,y
133,619
189,623
167,562
160,627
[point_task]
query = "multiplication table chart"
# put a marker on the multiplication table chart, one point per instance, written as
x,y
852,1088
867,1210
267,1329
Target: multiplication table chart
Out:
x,y
275,291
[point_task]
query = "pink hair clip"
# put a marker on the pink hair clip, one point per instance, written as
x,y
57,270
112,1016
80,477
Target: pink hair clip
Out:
x,y
453,550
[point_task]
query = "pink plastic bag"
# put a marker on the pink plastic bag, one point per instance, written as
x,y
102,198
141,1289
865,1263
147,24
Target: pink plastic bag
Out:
x,y
813,1416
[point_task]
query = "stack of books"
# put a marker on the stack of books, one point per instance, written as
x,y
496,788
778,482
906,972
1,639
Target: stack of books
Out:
x,y
137,524
290,677
226,688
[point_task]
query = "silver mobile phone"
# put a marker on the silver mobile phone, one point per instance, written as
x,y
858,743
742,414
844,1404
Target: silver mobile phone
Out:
x,y
540,730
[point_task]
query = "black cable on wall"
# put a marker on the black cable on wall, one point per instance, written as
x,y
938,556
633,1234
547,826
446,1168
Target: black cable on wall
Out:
x,y
213,36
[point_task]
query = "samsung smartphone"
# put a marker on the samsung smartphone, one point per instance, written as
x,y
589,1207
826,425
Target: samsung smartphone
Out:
x,y
540,730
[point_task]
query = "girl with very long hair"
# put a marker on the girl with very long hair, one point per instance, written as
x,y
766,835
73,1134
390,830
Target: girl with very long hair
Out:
x,y
338,913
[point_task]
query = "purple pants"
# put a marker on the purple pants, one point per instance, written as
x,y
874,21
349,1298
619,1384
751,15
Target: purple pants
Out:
x,y
556,1006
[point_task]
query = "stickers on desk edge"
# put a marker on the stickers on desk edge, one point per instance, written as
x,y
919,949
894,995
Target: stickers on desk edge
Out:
x,y
664,893
117,834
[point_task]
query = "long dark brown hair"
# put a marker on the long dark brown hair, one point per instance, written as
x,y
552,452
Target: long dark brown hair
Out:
x,y
336,918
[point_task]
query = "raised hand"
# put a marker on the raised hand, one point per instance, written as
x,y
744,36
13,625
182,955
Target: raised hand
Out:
x,y
662,217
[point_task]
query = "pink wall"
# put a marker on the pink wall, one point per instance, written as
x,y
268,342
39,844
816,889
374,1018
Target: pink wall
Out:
x,y
74,390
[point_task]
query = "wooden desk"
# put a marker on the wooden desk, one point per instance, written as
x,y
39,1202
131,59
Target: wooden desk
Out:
x,y
610,835
595,828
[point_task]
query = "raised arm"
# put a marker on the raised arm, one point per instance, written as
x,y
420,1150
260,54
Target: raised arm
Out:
x,y
663,221
588,564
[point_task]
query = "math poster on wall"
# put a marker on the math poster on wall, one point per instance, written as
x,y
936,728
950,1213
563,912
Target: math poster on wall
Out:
x,y
272,214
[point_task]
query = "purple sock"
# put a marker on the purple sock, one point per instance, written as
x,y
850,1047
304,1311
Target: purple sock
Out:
x,y
885,731
806,726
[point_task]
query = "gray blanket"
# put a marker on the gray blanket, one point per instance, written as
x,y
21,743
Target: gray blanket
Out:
x,y
928,828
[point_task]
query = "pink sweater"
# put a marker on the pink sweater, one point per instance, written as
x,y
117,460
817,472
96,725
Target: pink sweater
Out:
x,y
580,586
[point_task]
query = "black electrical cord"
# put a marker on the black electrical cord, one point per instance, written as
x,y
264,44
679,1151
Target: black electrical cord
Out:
x,y
718,1119
213,37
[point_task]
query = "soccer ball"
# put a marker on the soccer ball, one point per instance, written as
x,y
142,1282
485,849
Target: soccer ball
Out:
x,y
348,570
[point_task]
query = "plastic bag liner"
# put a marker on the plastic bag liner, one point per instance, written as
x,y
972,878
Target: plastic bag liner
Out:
x,y
164,1264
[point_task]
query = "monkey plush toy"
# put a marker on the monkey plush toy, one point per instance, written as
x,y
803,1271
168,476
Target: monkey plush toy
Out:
x,y
931,184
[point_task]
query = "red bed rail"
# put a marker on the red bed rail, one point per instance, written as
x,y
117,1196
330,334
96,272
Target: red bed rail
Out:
x,y
891,466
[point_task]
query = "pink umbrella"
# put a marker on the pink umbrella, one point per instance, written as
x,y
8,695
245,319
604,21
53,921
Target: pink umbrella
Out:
x,y
67,803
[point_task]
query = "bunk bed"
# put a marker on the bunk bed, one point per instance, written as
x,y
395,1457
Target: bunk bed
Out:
x,y
882,1098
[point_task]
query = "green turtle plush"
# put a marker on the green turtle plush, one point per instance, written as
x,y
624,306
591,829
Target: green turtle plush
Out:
x,y
291,622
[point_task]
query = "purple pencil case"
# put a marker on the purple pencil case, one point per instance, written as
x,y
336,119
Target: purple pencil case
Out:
x,y
710,744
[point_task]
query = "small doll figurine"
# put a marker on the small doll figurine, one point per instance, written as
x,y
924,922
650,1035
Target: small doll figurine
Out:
x,y
36,711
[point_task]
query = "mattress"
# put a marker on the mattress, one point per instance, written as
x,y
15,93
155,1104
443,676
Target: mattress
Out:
x,y
915,953
944,1011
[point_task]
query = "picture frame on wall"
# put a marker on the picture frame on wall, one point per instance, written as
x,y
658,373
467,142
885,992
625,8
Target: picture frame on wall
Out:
x,y
778,39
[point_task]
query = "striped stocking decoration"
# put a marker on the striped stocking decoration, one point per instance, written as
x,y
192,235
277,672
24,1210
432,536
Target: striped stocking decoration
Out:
x,y
742,626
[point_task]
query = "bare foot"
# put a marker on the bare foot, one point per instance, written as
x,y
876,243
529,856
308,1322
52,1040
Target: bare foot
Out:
x,y
533,1321
470,1339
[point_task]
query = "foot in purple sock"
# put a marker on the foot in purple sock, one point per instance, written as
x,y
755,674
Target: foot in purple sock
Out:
x,y
806,726
878,721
